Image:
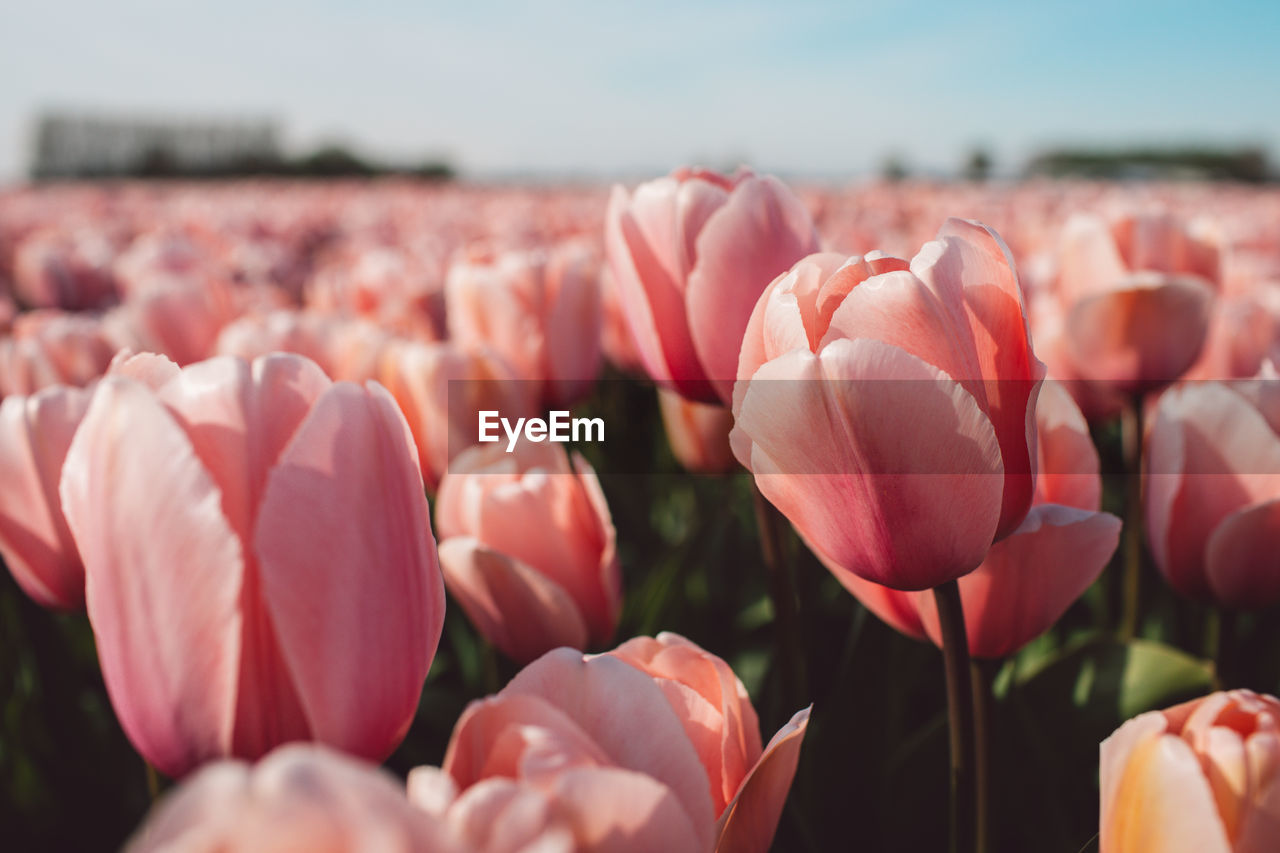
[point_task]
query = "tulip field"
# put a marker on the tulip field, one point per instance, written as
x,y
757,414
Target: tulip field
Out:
x,y
711,512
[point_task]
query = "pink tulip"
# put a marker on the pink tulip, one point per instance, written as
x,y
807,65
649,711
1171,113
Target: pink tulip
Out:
x,y
540,311
53,348
1137,292
56,268
887,408
35,433
1201,777
349,350
441,389
180,318
1212,491
259,566
298,798
654,746
1029,579
528,548
495,815
697,432
690,254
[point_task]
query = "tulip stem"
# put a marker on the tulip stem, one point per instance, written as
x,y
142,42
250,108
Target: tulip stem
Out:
x,y
1131,429
773,529
982,678
960,704
153,781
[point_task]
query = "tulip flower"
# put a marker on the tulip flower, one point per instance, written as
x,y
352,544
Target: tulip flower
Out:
x,y
259,566
528,548
887,408
53,348
1201,777
697,432
495,815
346,349
1212,487
540,311
35,433
1137,292
654,746
300,797
442,388
1029,579
690,254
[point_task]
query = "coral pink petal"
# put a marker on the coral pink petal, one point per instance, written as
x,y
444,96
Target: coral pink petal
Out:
x,y
1030,578
349,571
590,691
1089,262
1242,561
756,236
517,609
750,821
838,448
140,504
894,607
615,810
1068,462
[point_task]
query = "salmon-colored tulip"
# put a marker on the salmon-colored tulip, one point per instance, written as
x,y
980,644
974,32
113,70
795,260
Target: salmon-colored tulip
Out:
x,y
654,746
1029,579
35,433
259,567
1212,491
69,269
53,348
346,349
1201,777
528,548
887,408
180,318
690,254
495,815
298,798
442,388
1137,293
697,432
540,311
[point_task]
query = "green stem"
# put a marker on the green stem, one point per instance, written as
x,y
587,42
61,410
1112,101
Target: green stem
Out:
x,y
955,653
1131,435
983,674
153,781
773,530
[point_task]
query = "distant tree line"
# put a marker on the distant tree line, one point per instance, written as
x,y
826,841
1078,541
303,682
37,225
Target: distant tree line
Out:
x,y
1247,164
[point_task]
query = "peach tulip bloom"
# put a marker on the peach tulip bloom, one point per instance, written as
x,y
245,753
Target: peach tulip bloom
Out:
x,y
540,311
442,388
654,746
259,567
1137,292
495,815
1201,777
1029,579
1212,490
887,408
53,348
690,254
180,318
299,798
349,350
69,269
35,433
697,432
615,335
528,548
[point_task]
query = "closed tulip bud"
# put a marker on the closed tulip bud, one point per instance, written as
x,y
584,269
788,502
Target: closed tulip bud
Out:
x,y
528,548
690,254
540,311
259,567
697,432
35,434
887,408
1201,777
1212,491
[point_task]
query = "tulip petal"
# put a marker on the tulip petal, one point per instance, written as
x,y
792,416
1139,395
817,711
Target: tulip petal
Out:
x,y
141,505
615,810
756,236
348,569
590,690
879,459
1241,560
750,821
517,609
1029,579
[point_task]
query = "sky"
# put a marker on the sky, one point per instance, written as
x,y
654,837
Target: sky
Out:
x,y
596,88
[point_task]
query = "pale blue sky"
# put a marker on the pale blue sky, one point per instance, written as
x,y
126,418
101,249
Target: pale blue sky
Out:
x,y
600,88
